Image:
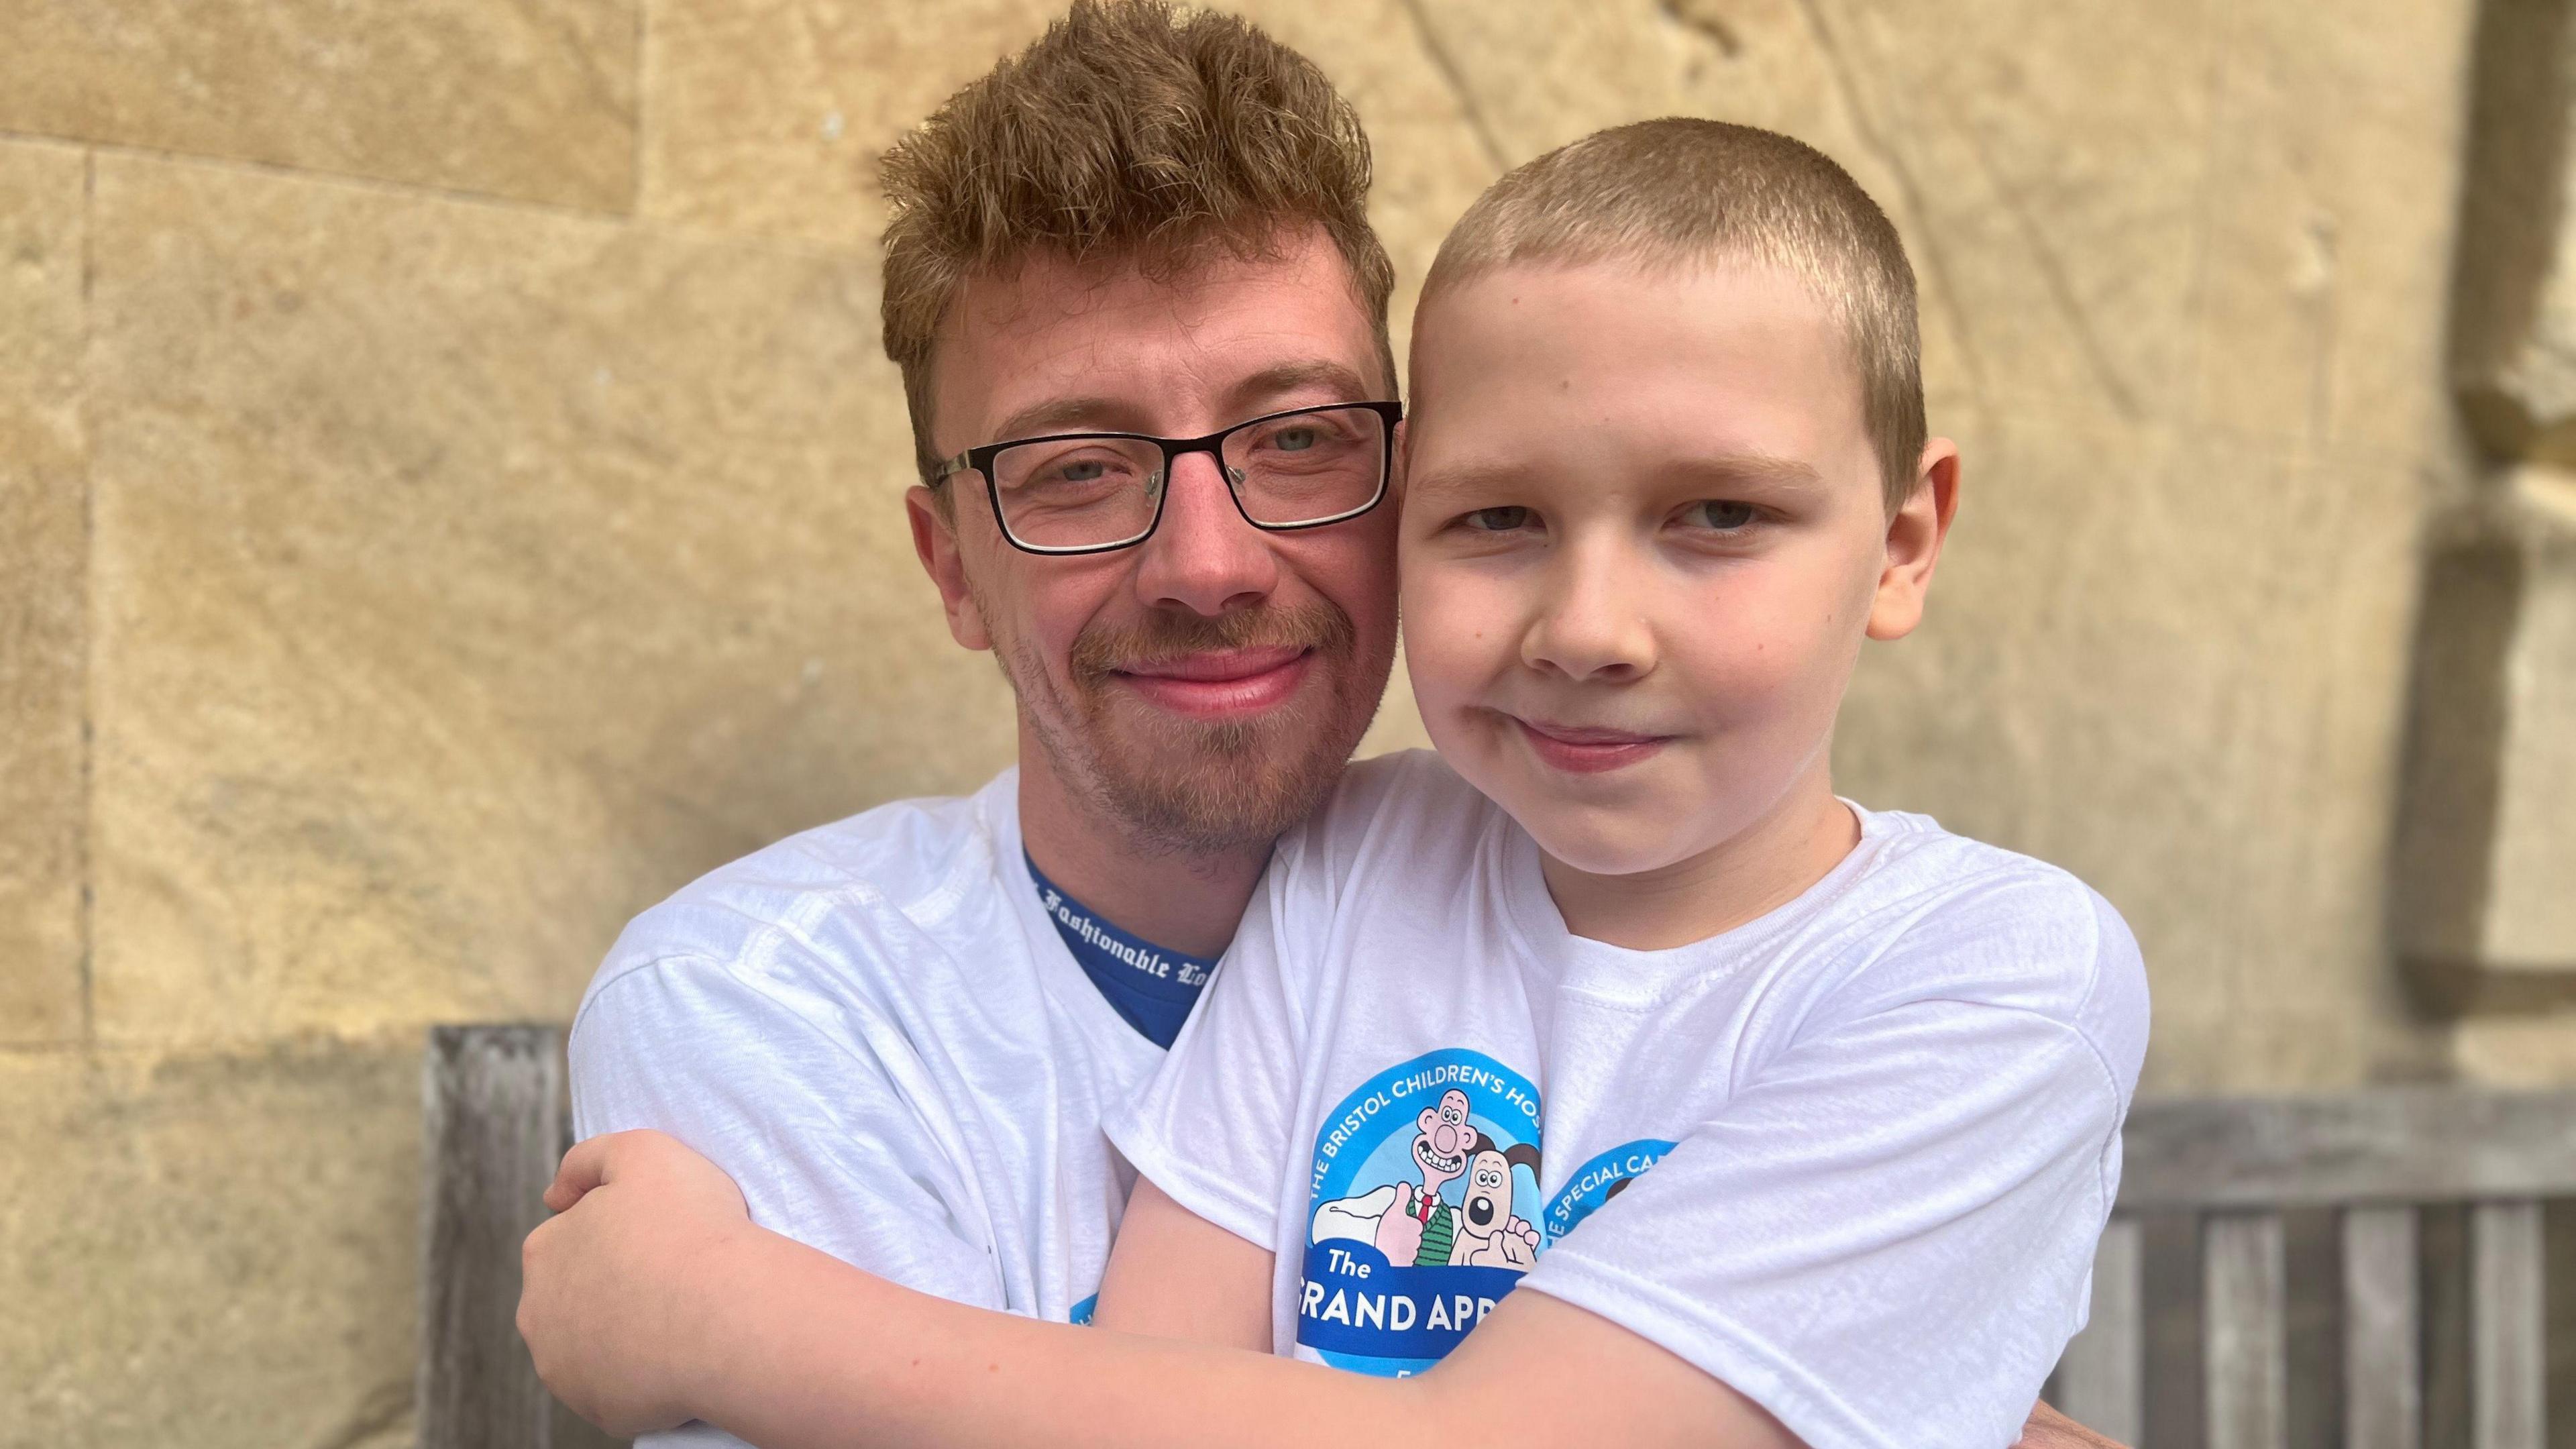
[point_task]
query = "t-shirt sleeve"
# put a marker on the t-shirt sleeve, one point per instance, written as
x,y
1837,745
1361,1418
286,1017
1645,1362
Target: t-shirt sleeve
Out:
x,y
1212,1128
1885,1237
814,1127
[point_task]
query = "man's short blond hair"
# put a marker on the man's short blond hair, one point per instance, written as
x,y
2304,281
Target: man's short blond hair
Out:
x,y
1131,129
1681,192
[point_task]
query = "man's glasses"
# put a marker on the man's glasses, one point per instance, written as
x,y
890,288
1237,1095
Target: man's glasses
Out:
x,y
1093,492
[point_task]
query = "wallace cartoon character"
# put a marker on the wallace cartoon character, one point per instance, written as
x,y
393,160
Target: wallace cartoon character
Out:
x,y
1419,1228
1411,1225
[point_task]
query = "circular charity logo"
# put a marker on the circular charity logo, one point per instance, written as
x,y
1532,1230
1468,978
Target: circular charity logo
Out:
x,y
1424,1180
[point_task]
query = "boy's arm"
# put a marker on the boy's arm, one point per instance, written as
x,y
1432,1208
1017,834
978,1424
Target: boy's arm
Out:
x,y
879,1364
789,1347
1174,1274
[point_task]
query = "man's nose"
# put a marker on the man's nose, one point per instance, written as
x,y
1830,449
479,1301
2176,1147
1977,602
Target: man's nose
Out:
x,y
1590,623
1204,556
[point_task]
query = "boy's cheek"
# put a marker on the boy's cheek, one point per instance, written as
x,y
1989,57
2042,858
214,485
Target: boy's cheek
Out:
x,y
1456,635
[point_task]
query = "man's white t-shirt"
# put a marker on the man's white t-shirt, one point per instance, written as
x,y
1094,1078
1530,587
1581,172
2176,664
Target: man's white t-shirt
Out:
x,y
877,1031
1851,1158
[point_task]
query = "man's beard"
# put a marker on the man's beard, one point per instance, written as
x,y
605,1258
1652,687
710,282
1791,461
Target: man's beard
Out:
x,y
1197,787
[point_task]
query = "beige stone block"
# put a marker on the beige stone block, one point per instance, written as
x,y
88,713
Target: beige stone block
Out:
x,y
768,116
531,102
2317,300
2173,664
469,579
2484,905
2246,249
2515,344
2525,1051
2000,313
43,486
210,1251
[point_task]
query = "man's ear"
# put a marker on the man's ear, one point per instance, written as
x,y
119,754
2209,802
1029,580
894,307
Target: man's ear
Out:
x,y
1914,536
934,542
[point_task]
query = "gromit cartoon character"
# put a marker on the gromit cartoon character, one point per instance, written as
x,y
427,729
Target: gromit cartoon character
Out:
x,y
1411,1226
1489,1236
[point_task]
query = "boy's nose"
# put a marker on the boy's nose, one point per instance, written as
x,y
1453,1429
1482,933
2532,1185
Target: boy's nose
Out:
x,y
1204,556
1589,624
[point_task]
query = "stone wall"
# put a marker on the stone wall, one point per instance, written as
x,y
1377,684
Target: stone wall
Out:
x,y
447,499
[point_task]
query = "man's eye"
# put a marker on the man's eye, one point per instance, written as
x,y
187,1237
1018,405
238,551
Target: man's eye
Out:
x,y
1722,516
1080,470
1497,520
1293,440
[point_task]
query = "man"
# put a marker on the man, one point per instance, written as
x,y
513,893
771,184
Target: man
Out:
x,y
899,1033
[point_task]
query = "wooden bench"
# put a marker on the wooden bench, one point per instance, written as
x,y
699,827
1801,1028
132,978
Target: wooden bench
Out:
x,y
2229,1171
2224,1171
494,1123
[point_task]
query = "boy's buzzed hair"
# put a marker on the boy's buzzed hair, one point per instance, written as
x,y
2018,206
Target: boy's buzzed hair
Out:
x,y
1131,128
1679,191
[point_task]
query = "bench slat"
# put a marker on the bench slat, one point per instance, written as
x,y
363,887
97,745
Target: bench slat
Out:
x,y
493,1129
2383,1383
2244,1331
2101,1379
2394,1144
2508,1388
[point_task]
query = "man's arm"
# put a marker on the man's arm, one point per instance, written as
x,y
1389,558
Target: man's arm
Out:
x,y
2049,1429
815,1127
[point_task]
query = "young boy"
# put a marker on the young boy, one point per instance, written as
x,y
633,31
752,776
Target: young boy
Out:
x,y
1798,1121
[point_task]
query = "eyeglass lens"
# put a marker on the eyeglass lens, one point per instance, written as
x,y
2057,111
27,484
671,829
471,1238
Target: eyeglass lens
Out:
x,y
1093,491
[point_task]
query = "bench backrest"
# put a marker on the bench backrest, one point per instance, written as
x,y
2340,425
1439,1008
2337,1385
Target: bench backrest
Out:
x,y
496,1123
2376,1159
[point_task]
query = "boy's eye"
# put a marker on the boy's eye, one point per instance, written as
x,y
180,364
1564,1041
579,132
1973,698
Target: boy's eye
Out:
x,y
1722,516
1497,520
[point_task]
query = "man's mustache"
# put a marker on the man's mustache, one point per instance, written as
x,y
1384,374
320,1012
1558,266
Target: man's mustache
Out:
x,y
1102,650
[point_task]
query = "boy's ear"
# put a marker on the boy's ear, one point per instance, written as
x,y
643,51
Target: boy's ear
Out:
x,y
1914,536
934,542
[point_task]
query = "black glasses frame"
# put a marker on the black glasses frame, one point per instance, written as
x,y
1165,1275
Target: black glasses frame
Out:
x,y
980,460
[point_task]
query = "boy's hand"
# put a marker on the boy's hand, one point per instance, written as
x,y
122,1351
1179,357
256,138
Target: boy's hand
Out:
x,y
618,1285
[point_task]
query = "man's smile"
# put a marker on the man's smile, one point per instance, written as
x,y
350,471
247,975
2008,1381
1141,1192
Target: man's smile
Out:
x,y
1220,684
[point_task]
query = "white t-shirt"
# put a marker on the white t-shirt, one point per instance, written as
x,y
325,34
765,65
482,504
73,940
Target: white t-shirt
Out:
x,y
877,1031
1851,1158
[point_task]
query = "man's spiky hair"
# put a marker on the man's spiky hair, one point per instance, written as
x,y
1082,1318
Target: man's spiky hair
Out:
x,y
1132,129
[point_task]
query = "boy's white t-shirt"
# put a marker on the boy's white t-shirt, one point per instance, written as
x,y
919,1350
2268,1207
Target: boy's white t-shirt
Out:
x,y
1851,1158
877,1031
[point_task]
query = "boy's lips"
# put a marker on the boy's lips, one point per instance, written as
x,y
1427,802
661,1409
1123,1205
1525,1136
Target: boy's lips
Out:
x,y
1586,749
1219,684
